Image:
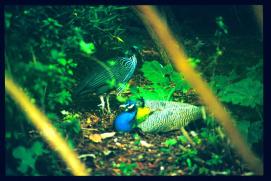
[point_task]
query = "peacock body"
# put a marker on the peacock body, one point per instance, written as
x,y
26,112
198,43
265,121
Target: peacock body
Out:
x,y
107,76
168,115
163,116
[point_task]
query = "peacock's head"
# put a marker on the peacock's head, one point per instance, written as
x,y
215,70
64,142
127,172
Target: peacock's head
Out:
x,y
134,50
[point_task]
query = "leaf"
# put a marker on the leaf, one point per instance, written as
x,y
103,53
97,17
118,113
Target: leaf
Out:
x,y
111,62
54,54
26,157
170,142
119,39
63,97
183,139
158,92
193,61
87,48
76,126
37,148
88,121
180,83
8,135
189,163
121,98
95,138
7,19
107,135
106,152
153,71
71,143
246,92
62,61
64,112
145,144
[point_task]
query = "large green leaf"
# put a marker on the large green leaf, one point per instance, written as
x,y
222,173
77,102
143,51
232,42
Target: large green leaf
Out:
x,y
246,92
87,48
156,93
28,156
153,71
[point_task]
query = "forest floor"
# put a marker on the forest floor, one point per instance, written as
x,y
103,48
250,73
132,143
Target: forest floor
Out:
x,y
106,152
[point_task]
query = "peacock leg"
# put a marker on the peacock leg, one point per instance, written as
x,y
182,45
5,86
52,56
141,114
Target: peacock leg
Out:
x,y
102,105
107,104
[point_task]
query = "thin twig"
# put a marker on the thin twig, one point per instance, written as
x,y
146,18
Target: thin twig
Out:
x,y
188,137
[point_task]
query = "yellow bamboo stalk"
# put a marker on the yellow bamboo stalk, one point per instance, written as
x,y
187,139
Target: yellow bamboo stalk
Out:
x,y
150,17
42,123
258,11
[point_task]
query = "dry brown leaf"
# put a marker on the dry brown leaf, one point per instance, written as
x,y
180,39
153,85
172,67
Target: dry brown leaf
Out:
x,y
145,144
92,119
95,138
116,170
107,135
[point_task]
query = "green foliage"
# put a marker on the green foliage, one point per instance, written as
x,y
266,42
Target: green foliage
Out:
x,y
210,136
255,132
137,139
215,160
7,19
188,157
246,92
210,121
154,92
183,139
234,89
87,48
55,77
28,157
243,126
127,169
164,81
70,127
190,153
221,25
170,142
71,121
165,75
44,47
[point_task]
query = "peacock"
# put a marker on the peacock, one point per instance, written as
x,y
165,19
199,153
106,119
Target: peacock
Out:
x,y
124,122
107,76
155,116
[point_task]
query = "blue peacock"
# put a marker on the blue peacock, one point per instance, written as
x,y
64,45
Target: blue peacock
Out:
x,y
158,116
